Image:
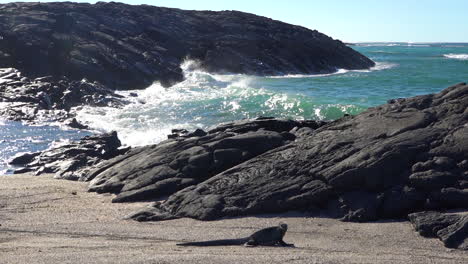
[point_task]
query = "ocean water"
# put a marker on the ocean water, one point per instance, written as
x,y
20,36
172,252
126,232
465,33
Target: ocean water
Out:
x,y
204,100
17,138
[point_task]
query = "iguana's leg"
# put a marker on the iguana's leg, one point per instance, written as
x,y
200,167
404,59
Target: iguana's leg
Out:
x,y
284,244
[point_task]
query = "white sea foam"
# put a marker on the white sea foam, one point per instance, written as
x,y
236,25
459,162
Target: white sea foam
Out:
x,y
188,104
201,100
334,111
395,44
418,45
379,66
461,56
339,71
59,142
384,44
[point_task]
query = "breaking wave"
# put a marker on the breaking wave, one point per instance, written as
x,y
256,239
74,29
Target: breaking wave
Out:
x,y
456,56
378,67
411,44
203,100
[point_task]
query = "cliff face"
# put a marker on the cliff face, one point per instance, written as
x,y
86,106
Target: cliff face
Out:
x,y
129,47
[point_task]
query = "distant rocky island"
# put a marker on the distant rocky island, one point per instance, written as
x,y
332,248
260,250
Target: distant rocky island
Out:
x,y
404,159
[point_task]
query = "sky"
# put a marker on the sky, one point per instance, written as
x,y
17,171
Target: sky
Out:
x,y
351,20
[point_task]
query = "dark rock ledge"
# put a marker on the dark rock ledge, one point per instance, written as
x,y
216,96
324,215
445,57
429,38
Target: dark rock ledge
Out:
x,y
407,156
451,228
49,99
182,160
71,161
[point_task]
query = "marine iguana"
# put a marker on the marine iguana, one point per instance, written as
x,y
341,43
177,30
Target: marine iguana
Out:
x,y
270,236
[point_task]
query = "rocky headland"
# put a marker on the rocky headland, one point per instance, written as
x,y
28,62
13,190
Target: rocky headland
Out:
x,y
131,46
407,157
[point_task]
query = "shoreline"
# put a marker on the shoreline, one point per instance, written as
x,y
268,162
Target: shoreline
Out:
x,y
406,156
46,220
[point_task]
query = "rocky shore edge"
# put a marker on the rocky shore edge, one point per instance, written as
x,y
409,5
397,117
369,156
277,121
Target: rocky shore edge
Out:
x,y
405,159
48,99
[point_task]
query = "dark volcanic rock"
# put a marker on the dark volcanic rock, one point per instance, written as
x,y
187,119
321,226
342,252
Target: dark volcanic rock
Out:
x,y
23,158
75,124
355,207
394,159
48,99
449,198
187,159
266,123
71,161
128,47
452,229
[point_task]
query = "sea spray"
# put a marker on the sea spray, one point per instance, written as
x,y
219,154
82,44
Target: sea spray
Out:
x,y
457,56
377,67
203,100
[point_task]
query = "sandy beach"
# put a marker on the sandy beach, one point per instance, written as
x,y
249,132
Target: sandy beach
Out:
x,y
44,220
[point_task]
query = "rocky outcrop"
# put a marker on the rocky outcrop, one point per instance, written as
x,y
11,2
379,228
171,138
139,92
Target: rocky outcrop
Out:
x,y
450,228
49,99
394,159
129,47
186,159
152,172
71,161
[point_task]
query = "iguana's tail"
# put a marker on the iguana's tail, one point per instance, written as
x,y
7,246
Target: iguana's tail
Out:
x,y
221,242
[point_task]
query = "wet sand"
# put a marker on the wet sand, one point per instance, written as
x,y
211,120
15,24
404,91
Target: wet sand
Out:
x,y
44,220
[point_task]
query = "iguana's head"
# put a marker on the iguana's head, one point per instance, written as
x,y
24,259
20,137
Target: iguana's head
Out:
x,y
283,226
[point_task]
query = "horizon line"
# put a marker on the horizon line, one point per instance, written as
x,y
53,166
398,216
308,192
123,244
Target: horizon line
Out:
x,y
412,42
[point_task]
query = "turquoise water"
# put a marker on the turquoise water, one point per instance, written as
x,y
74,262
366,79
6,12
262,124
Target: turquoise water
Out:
x,y
204,99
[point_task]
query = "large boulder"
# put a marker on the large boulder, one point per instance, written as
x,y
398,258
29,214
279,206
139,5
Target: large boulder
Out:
x,y
186,159
130,46
451,228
